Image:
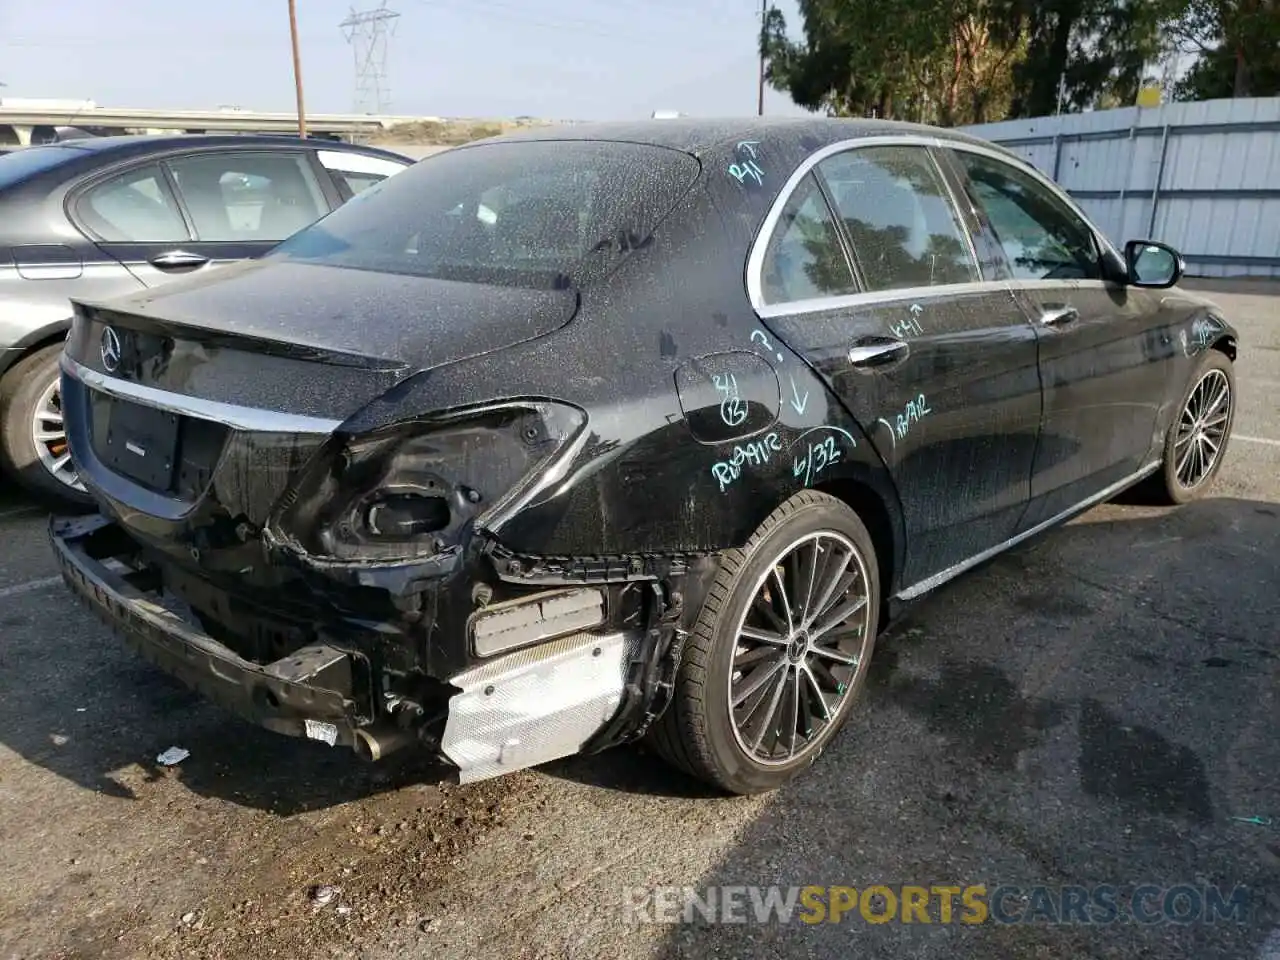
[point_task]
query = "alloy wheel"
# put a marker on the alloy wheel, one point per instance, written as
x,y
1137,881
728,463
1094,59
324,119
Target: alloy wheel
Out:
x,y
49,434
800,648
1202,429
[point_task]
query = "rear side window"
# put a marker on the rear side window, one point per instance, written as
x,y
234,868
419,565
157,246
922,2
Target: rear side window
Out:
x,y
135,207
527,213
804,258
899,216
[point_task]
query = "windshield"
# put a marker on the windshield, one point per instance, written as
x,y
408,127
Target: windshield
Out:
x,y
29,161
522,213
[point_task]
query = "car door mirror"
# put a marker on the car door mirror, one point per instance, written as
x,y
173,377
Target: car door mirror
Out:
x,y
1152,264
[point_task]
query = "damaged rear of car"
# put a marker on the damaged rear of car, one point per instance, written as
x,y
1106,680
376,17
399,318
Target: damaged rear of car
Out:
x,y
353,490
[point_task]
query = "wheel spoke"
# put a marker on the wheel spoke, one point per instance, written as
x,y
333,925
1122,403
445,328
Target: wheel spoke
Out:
x,y
793,711
759,677
60,463
764,636
832,581
753,655
836,655
48,436
1181,468
842,613
816,690
808,574
778,687
764,606
786,604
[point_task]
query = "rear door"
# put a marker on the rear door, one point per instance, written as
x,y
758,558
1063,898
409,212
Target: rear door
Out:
x,y
937,362
193,211
1101,342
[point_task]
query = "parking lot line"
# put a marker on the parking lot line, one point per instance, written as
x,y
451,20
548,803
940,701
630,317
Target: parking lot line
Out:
x,y
1268,442
28,587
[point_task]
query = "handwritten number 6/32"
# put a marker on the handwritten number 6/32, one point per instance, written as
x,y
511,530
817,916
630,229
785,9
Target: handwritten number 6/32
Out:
x,y
817,458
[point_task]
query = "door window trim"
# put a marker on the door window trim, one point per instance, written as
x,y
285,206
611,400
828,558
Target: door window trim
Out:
x,y
76,196
759,246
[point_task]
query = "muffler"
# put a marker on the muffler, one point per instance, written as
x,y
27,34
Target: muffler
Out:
x,y
375,742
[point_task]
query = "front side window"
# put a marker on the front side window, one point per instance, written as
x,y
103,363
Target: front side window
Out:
x,y
899,216
134,207
1042,238
248,197
804,258
522,213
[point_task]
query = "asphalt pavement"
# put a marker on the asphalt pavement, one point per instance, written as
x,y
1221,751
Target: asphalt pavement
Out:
x,y
1095,710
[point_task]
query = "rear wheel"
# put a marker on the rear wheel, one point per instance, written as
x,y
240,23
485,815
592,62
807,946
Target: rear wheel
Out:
x,y
1197,441
33,438
780,650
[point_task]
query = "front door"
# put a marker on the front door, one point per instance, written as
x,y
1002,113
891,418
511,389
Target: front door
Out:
x,y
936,364
1102,350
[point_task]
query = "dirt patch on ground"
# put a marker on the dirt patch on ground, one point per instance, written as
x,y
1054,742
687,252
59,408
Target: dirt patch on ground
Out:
x,y
332,879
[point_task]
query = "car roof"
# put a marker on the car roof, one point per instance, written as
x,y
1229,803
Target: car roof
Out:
x,y
697,136
140,144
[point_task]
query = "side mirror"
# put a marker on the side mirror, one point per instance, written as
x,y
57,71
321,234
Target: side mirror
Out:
x,y
1152,264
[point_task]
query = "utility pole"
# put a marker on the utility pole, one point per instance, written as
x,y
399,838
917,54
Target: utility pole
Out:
x,y
764,13
297,68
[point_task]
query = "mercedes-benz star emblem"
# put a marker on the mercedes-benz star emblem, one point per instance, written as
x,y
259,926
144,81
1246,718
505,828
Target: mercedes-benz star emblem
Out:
x,y
110,349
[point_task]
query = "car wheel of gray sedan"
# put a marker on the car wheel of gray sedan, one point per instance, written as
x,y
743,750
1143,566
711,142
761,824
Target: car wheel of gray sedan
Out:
x,y
780,650
1197,441
33,439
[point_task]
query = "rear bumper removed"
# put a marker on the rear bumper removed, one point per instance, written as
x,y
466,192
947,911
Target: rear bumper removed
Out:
x,y
513,711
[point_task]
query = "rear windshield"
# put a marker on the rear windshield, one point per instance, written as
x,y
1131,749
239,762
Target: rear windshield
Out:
x,y
524,213
18,165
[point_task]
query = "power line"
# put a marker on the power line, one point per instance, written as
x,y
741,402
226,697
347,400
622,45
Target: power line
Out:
x,y
369,33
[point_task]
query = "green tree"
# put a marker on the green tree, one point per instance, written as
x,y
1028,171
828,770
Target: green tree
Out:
x,y
968,61
1236,44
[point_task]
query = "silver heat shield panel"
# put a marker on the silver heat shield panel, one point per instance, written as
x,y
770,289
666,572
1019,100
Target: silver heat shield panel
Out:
x,y
536,704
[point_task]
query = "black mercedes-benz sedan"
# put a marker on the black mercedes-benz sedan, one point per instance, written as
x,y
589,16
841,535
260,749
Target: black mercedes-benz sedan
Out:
x,y
568,438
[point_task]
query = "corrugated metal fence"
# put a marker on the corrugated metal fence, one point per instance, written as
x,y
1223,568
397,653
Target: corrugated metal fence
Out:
x,y
1202,177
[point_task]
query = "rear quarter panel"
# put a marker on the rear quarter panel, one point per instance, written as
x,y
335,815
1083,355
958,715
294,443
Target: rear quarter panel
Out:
x,y
700,421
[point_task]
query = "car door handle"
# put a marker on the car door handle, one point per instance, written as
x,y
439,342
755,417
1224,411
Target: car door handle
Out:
x,y
878,351
1058,314
178,260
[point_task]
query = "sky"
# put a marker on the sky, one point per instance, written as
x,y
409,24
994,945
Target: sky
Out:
x,y
554,59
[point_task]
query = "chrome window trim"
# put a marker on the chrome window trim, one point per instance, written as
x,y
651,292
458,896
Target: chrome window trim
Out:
x,y
760,245
850,301
228,414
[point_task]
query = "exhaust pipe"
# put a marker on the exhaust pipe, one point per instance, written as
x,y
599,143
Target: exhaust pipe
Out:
x,y
375,742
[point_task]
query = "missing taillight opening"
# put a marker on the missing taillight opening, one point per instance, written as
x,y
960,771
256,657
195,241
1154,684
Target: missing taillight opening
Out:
x,y
402,491
402,516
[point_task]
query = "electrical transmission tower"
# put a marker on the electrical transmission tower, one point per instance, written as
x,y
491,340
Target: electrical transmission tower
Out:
x,y
369,32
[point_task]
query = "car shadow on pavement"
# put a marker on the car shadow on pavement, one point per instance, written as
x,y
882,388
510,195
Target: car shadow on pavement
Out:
x,y
1095,708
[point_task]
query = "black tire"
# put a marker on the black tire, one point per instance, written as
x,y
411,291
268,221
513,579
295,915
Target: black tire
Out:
x,y
20,391
1166,484
697,732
